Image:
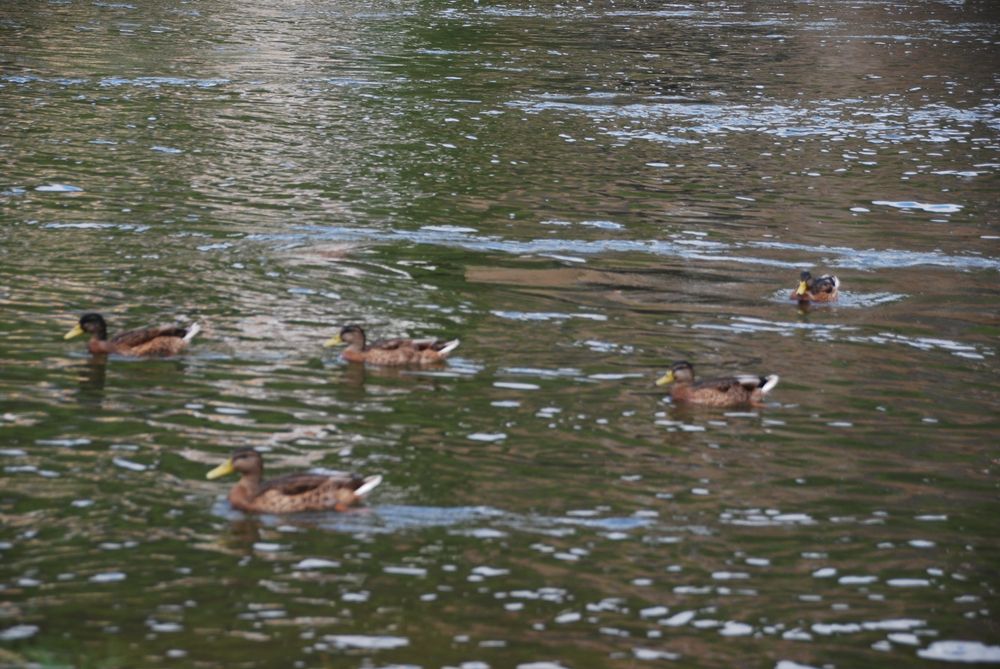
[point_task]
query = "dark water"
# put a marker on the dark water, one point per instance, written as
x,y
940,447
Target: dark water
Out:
x,y
582,193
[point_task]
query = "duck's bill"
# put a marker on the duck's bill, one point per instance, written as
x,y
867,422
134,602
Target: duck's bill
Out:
x,y
665,379
223,469
333,341
803,289
75,332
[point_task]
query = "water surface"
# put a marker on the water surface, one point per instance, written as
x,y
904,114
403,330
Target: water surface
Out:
x,y
582,194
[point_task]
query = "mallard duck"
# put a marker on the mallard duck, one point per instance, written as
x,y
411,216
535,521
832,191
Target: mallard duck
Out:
x,y
291,493
821,289
162,340
731,391
391,351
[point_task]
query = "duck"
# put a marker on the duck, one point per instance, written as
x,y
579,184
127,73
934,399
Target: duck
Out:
x,y
390,351
820,289
745,389
155,341
292,493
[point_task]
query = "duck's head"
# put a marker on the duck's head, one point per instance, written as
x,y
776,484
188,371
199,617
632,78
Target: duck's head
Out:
x,y
351,334
805,282
679,371
91,324
243,460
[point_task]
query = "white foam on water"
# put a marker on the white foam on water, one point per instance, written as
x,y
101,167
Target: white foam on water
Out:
x,y
650,654
58,188
18,632
653,612
406,571
512,385
678,619
960,651
486,436
366,642
922,206
316,563
128,464
733,628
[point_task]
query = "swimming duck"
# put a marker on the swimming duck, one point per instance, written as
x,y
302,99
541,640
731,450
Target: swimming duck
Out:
x,y
822,289
391,351
162,340
291,493
725,392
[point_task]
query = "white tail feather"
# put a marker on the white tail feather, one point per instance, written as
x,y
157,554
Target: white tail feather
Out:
x,y
192,330
771,382
371,482
449,346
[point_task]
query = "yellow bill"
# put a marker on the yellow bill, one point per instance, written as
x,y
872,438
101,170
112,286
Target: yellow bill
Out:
x,y
223,469
666,378
803,288
333,341
75,332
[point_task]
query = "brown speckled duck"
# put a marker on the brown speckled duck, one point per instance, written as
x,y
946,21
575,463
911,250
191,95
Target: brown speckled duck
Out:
x,y
724,392
821,289
391,351
292,493
157,341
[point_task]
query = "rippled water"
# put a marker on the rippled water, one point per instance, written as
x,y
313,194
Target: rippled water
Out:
x,y
581,194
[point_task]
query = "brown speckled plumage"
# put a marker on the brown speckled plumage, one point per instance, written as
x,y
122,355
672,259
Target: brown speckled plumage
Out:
x,y
292,493
391,351
816,289
723,392
158,341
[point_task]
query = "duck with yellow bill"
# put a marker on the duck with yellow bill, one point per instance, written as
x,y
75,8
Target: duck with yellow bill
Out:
x,y
156,341
390,352
744,389
291,493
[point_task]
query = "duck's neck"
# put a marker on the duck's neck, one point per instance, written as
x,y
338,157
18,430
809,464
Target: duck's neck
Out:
x,y
98,344
250,483
358,345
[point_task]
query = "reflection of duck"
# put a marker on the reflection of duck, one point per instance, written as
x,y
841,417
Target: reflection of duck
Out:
x,y
730,391
391,351
91,378
821,289
160,340
291,493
